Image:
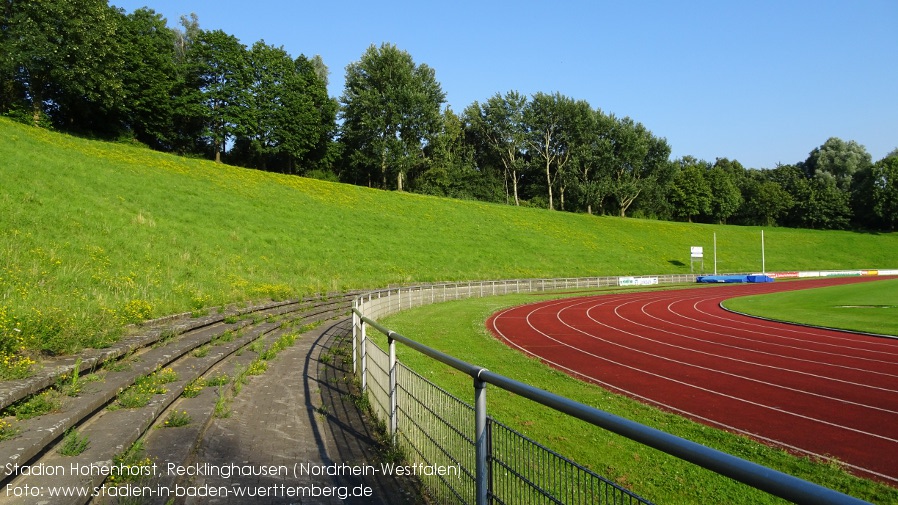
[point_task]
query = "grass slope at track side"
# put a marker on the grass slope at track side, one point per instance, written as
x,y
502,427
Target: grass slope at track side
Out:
x,y
870,307
457,328
96,235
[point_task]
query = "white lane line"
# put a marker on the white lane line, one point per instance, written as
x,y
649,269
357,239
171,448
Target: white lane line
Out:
x,y
806,340
686,413
726,357
891,346
718,371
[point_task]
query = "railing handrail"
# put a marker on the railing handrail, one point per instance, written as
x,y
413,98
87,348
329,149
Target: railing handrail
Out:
x,y
755,475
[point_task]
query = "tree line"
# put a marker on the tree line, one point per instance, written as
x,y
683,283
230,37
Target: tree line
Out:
x,y
85,67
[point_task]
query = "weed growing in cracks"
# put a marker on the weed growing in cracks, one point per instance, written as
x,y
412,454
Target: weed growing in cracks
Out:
x,y
7,430
135,463
177,419
34,406
73,443
143,389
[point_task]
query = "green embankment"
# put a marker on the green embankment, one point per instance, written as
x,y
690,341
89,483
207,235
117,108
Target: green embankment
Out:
x,y
867,307
96,235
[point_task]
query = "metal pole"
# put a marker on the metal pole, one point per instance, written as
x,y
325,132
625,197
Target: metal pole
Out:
x,y
364,353
763,259
480,440
393,403
355,336
715,253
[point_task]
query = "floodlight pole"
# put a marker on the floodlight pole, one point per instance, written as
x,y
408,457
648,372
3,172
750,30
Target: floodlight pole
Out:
x,y
763,259
715,253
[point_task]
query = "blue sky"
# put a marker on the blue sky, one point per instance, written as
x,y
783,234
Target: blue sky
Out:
x,y
763,82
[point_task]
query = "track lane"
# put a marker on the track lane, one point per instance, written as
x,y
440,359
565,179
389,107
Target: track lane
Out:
x,y
817,392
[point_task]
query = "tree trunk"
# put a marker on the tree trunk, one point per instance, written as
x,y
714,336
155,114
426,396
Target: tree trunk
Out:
x,y
505,176
549,184
383,169
514,184
625,204
37,101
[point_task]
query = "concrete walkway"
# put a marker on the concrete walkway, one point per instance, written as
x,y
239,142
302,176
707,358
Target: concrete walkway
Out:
x,y
294,435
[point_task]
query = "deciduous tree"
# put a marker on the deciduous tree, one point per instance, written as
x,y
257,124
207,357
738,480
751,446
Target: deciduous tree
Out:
x,y
765,201
152,80
500,123
550,128
307,117
638,155
838,160
690,192
450,170
593,159
270,69
221,65
390,111
725,195
62,59
885,190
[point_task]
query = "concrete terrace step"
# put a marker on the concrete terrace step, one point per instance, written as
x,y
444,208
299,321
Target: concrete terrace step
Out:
x,y
296,422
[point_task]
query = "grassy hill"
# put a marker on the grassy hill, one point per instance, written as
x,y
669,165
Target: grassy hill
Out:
x,y
96,235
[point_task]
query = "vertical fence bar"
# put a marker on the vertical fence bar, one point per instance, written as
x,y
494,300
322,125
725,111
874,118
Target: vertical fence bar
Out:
x,y
364,353
480,441
355,336
393,392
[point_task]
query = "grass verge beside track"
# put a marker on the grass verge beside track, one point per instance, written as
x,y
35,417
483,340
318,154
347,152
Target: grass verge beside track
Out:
x,y
457,328
870,307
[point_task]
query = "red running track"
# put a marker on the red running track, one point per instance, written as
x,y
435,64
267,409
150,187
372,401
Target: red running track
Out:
x,y
813,391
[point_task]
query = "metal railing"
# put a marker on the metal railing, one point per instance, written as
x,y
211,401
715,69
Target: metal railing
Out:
x,y
388,301
487,462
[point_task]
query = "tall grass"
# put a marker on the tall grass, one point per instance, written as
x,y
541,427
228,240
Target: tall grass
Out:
x,y
96,235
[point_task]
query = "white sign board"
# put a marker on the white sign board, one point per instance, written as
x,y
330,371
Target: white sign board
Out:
x,y
697,252
634,281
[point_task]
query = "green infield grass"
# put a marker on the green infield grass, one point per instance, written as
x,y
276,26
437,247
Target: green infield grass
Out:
x,y
870,307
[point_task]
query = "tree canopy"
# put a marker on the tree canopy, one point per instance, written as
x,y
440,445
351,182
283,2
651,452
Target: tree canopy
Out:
x,y
86,67
390,112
